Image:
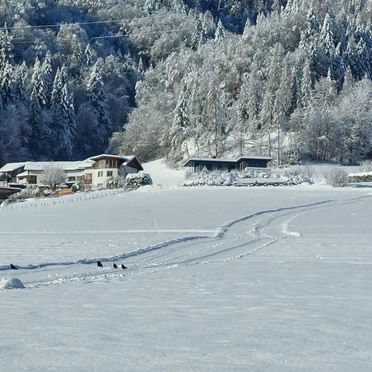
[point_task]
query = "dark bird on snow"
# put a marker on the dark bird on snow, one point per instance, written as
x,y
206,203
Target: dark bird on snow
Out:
x,y
115,266
99,264
123,266
13,267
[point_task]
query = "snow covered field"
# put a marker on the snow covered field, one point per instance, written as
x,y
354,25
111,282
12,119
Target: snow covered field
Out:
x,y
218,279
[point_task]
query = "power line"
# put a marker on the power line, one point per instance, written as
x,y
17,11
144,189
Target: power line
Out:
x,y
143,33
15,41
81,23
70,23
114,36
58,25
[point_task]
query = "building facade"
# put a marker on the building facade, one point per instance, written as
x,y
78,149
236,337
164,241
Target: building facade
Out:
x,y
96,172
198,164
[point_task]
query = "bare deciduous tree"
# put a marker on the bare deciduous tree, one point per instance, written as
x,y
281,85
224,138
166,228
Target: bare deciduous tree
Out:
x,y
53,175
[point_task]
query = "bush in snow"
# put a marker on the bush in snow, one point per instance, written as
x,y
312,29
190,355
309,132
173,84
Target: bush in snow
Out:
x,y
224,178
135,180
300,174
30,192
14,198
336,177
75,187
37,192
355,178
366,166
11,283
22,195
307,172
211,178
250,173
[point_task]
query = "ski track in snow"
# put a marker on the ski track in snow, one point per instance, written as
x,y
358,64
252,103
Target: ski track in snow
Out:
x,y
220,245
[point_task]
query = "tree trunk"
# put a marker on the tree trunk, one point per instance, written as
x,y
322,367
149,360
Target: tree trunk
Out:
x,y
278,155
269,143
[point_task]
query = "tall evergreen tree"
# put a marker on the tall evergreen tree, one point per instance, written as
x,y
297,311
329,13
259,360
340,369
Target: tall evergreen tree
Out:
x,y
266,117
47,76
215,107
5,48
69,122
327,36
38,92
198,36
88,56
98,99
179,131
40,133
6,86
64,120
20,84
220,32
306,85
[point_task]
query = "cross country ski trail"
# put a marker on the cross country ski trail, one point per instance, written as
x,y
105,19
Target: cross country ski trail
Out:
x,y
236,239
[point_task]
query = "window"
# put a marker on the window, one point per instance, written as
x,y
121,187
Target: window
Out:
x,y
109,173
88,178
257,163
100,174
71,179
32,179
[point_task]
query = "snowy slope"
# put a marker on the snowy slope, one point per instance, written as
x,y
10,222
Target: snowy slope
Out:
x,y
163,175
219,279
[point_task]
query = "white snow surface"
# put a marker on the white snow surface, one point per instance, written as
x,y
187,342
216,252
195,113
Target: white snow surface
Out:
x,y
219,279
161,174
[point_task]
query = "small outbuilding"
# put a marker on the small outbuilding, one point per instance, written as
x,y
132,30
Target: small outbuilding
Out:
x,y
228,164
10,171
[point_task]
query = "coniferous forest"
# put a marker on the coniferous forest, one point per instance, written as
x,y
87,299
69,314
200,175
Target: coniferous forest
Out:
x,y
287,78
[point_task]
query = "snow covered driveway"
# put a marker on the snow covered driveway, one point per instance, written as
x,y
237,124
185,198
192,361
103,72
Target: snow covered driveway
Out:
x,y
219,279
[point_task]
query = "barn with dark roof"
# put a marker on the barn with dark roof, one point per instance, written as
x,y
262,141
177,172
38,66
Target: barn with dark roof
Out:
x,y
228,164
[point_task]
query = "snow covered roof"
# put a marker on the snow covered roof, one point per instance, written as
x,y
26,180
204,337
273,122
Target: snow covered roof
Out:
x,y
65,165
129,157
255,157
102,156
211,160
219,160
10,167
129,160
360,174
132,161
23,174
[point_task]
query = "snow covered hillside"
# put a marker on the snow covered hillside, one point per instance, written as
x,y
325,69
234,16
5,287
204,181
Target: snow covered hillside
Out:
x,y
218,279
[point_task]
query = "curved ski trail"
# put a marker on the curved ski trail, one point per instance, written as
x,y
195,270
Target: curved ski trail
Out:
x,y
236,239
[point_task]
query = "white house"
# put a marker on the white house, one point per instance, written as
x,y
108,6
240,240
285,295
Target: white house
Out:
x,y
106,168
33,171
97,171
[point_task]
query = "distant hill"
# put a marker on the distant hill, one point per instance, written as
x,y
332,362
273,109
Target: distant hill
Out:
x,y
185,78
